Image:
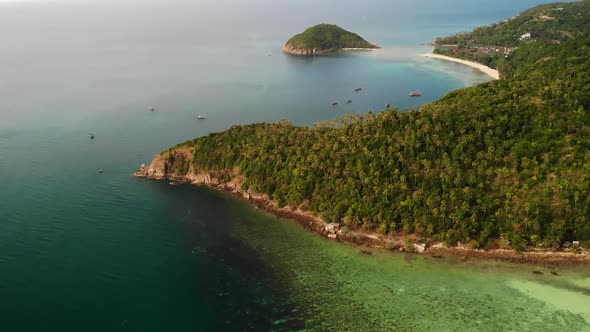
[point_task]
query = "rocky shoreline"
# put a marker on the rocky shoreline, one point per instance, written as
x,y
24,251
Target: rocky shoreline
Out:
x,y
160,167
290,50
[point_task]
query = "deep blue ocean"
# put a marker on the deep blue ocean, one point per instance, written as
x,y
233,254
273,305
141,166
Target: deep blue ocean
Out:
x,y
87,251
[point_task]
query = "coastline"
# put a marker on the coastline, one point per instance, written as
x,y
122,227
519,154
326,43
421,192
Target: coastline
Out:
x,y
157,170
360,49
316,52
493,73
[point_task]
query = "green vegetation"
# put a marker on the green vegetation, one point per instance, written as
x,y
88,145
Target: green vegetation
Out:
x,y
503,163
178,165
326,38
555,23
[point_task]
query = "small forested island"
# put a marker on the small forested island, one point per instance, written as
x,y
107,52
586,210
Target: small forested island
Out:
x,y
502,165
324,39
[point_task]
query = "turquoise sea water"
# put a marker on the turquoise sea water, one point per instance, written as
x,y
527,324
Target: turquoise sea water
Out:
x,y
81,250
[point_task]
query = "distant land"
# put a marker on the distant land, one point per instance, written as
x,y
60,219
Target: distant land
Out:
x,y
492,170
492,45
324,39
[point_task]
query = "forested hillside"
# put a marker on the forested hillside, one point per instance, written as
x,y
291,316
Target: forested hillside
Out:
x,y
491,45
508,160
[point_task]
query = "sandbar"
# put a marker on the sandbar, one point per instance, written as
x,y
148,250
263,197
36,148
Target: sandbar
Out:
x,y
493,73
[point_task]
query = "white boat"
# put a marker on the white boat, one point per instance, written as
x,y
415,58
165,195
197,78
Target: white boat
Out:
x,y
200,117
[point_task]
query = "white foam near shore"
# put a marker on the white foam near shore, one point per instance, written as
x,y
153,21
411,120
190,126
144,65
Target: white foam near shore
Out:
x,y
493,73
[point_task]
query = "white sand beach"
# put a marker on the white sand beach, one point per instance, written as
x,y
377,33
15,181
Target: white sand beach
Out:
x,y
485,69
